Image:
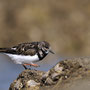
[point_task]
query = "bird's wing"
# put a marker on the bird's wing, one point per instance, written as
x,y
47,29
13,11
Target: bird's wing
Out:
x,y
26,48
23,48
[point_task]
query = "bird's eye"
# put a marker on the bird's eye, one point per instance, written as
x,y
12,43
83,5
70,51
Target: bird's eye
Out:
x,y
46,47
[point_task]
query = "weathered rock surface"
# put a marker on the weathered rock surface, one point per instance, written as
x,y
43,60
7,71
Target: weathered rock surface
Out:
x,y
69,74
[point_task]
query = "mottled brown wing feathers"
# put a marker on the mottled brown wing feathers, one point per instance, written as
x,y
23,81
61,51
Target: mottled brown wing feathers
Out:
x,y
23,49
26,48
30,52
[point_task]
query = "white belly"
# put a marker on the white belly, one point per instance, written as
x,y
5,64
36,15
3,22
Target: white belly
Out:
x,y
21,59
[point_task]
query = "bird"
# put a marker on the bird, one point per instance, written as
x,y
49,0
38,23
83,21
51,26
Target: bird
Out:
x,y
28,53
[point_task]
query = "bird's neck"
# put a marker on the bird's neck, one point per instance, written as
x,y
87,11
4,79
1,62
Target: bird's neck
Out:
x,y
41,54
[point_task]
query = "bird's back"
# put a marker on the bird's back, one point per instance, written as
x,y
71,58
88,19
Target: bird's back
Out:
x,y
23,49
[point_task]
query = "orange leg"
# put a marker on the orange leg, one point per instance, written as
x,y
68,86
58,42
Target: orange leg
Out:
x,y
35,65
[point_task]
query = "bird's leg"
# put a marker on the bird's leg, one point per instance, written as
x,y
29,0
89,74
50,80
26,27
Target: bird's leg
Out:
x,y
24,66
32,64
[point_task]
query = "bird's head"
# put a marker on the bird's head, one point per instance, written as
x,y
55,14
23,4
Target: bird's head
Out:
x,y
45,47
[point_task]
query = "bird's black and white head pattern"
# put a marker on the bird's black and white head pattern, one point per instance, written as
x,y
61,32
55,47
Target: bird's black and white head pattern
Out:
x,y
43,49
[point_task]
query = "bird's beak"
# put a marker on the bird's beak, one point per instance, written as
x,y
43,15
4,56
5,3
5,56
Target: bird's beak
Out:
x,y
51,51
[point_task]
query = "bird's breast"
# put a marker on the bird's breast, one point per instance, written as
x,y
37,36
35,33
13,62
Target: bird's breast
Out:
x,y
23,58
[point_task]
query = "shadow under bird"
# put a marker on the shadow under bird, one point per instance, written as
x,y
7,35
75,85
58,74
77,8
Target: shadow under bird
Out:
x,y
28,53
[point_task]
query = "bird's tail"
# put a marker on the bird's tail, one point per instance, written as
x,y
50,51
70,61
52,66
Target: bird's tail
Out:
x,y
3,50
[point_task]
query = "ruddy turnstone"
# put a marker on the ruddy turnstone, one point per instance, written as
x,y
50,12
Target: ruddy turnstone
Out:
x,y
28,53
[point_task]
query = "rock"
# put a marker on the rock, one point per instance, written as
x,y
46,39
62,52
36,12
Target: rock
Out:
x,y
28,79
69,74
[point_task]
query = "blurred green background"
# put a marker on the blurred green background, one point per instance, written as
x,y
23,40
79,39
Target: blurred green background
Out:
x,y
63,23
